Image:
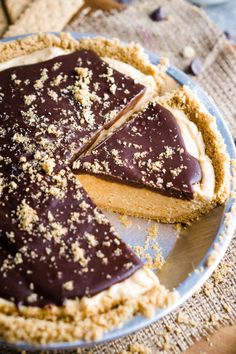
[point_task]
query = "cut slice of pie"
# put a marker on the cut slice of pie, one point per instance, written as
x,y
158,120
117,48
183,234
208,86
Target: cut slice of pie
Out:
x,y
65,274
167,163
62,266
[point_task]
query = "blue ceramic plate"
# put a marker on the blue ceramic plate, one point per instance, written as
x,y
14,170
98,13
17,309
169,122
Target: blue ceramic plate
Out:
x,y
207,229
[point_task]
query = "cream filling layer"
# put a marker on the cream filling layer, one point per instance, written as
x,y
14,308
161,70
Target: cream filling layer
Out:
x,y
142,281
35,57
195,146
138,284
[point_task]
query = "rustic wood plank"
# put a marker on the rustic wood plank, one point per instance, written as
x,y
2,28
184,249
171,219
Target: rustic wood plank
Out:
x,y
105,5
222,341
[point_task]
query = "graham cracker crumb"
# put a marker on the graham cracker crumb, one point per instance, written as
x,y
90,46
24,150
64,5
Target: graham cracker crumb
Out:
x,y
184,319
48,166
211,258
68,285
79,254
125,221
137,349
152,230
27,216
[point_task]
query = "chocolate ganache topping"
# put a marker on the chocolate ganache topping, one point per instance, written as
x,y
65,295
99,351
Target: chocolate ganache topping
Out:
x,y
148,151
60,105
54,243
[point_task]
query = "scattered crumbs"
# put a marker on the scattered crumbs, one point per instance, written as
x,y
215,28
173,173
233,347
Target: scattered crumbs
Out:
x,y
91,239
29,99
69,285
211,258
182,318
53,94
76,165
226,306
137,349
19,138
156,260
27,216
178,227
221,272
99,254
125,221
56,66
79,254
152,230
199,270
53,129
164,62
208,289
48,165
57,230
39,83
32,298
100,218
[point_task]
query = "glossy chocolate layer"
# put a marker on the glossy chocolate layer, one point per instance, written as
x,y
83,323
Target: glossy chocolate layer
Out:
x,y
62,104
54,243
150,152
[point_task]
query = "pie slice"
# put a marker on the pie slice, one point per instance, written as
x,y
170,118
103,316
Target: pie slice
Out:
x,y
75,96
54,229
167,163
65,274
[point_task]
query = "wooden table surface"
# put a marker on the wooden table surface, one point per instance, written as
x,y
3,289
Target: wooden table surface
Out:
x,y
222,341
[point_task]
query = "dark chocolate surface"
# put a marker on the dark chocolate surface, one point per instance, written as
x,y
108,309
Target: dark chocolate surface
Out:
x,y
150,152
54,243
38,102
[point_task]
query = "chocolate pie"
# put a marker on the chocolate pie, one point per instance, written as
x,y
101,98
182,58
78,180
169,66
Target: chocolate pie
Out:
x,y
83,127
168,163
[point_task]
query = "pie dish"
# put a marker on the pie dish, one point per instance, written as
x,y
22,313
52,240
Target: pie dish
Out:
x,y
42,212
